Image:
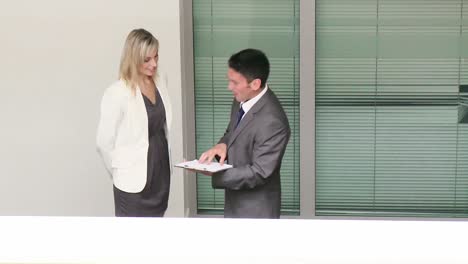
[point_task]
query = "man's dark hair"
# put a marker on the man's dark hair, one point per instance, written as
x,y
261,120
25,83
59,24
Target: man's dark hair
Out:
x,y
252,64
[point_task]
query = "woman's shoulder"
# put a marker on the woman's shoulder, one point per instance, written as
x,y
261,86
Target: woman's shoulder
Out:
x,y
161,79
117,89
162,83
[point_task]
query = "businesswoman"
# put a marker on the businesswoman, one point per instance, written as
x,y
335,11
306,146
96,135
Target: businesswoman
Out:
x,y
132,135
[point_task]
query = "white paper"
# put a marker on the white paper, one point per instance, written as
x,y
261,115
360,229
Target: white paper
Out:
x,y
195,165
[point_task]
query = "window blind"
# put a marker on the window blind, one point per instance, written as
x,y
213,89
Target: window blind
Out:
x,y
222,28
390,135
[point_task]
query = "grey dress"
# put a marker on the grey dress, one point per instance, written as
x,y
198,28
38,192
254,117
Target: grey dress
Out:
x,y
152,200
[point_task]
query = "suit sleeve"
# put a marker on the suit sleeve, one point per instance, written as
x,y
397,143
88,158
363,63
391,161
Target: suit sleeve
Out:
x,y
110,117
267,154
227,133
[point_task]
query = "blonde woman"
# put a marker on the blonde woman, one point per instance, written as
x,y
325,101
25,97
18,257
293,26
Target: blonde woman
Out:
x,y
132,135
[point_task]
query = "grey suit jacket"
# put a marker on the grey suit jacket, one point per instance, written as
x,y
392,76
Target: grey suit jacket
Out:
x,y
255,149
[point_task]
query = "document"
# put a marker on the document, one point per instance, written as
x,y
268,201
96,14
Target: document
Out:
x,y
211,167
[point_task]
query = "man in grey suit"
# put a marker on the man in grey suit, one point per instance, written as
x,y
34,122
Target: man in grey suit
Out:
x,y
254,142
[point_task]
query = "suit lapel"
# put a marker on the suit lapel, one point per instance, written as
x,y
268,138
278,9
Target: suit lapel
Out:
x,y
248,118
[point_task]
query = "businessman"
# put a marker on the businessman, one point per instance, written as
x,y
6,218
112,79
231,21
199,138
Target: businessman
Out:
x,y
254,142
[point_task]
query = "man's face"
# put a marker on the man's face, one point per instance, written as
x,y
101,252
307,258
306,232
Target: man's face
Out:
x,y
240,86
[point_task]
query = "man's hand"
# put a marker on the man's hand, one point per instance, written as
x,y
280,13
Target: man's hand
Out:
x,y
208,156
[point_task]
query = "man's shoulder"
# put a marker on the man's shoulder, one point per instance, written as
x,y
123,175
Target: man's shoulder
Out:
x,y
273,110
272,104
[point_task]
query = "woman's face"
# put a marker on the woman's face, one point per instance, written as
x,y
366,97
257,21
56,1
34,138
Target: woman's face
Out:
x,y
150,64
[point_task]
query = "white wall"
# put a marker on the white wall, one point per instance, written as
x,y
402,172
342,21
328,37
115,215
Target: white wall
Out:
x,y
56,59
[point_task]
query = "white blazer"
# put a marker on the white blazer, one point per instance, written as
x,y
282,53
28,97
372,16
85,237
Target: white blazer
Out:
x,y
122,135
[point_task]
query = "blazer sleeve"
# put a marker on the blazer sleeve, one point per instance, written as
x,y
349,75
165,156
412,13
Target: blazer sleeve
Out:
x,y
267,154
110,117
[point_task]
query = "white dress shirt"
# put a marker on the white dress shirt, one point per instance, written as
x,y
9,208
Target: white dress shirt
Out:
x,y
246,106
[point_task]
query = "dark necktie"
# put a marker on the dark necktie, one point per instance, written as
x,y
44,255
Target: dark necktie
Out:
x,y
239,115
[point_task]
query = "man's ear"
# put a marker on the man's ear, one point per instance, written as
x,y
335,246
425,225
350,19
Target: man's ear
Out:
x,y
255,84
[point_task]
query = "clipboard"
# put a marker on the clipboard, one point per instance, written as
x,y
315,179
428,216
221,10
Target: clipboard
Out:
x,y
211,167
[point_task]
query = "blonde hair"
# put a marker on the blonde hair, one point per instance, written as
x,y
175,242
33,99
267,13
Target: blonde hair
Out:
x,y
138,45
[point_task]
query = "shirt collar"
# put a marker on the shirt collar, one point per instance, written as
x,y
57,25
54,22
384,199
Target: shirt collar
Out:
x,y
246,106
